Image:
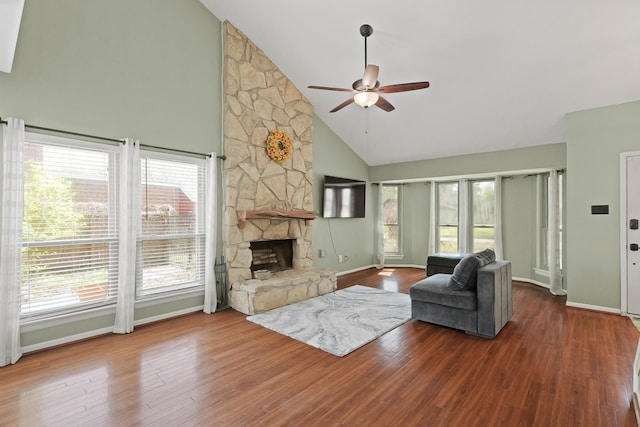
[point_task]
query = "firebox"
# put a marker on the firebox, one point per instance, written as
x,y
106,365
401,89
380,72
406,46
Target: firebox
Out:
x,y
272,255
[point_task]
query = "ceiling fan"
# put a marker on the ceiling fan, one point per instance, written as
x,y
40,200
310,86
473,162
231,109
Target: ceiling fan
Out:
x,y
367,89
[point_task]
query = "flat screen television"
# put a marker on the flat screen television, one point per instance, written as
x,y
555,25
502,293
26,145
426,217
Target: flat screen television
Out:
x,y
343,197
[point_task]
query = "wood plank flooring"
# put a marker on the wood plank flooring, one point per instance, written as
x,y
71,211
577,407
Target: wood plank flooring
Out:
x,y
550,366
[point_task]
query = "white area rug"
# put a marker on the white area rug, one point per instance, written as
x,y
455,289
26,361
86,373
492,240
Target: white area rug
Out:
x,y
341,321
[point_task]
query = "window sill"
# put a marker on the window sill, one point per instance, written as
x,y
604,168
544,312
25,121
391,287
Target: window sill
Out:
x,y
29,325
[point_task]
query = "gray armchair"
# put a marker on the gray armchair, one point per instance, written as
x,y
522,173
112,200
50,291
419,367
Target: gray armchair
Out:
x,y
475,298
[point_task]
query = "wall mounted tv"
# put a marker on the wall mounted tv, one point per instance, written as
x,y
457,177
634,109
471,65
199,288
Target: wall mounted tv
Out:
x,y
343,197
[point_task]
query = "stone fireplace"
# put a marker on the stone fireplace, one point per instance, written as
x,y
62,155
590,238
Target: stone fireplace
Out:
x,y
272,255
265,200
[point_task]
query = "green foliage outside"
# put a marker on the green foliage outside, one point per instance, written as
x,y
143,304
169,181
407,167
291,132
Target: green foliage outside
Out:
x,y
50,213
49,210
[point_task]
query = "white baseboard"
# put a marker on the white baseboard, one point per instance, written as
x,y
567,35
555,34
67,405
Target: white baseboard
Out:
x,y
569,303
103,331
594,307
366,267
66,340
166,316
533,282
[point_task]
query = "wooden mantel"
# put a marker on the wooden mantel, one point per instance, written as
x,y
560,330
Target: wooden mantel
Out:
x,y
245,215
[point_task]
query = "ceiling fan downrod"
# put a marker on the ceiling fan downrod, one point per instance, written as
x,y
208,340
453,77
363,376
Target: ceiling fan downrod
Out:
x,y
366,30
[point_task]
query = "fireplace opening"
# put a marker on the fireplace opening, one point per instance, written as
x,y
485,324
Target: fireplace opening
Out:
x,y
272,255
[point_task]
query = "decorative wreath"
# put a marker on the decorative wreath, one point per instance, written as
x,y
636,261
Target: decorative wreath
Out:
x,y
279,146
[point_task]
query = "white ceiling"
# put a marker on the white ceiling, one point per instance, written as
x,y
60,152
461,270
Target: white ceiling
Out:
x,y
10,17
503,74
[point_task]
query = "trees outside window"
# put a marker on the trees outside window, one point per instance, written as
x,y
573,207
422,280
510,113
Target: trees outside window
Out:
x,y
391,218
483,215
69,228
171,239
447,217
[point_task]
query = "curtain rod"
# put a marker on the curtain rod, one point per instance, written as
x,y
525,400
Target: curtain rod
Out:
x,y
119,141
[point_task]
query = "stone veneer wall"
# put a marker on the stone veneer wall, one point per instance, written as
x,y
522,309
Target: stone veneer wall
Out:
x,y
259,98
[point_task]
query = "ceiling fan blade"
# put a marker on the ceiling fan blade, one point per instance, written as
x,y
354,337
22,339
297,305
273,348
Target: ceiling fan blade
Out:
x,y
404,87
370,77
341,106
384,104
338,89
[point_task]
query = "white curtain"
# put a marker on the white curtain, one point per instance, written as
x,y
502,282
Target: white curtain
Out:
x,y
129,217
498,217
11,240
431,249
555,277
463,216
210,296
380,227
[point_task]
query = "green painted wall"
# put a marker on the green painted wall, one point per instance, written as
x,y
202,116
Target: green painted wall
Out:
x,y
596,138
147,69
519,199
352,237
541,156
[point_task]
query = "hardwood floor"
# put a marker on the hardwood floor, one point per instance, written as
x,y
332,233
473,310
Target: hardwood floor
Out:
x,y
550,366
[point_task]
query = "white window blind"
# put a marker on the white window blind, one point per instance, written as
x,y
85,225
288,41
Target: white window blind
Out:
x,y
70,242
171,237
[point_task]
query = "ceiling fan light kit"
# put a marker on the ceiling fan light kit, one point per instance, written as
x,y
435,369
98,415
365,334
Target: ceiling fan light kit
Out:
x,y
367,90
366,99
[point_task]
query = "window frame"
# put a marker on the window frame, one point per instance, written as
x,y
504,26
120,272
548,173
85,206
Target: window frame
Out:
x,y
439,225
112,229
542,223
399,212
472,225
199,234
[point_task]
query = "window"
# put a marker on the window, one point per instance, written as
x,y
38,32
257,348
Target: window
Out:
x,y
483,215
447,217
391,215
70,240
171,236
69,231
542,221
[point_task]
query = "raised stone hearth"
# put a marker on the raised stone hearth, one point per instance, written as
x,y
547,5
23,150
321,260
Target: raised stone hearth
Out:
x,y
283,288
264,199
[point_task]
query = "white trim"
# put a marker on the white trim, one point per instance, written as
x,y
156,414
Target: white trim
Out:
x,y
354,270
473,176
405,265
102,331
623,230
532,281
30,325
68,339
593,307
169,315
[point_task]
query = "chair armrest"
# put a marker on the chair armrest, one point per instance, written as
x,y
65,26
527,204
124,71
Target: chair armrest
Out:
x,y
495,299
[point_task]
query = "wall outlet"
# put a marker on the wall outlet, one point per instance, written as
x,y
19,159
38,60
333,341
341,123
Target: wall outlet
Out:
x,y
322,253
340,259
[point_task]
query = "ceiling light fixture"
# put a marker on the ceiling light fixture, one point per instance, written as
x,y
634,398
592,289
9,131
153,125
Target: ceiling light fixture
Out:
x,y
366,99
367,90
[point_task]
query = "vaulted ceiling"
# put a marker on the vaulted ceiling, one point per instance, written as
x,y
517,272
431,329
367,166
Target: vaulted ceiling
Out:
x,y
503,74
